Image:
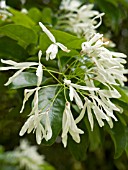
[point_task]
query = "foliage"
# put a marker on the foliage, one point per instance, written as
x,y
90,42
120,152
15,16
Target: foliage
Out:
x,y
23,38
23,157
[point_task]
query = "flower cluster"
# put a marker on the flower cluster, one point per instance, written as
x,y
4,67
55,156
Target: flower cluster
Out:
x,y
27,156
4,14
91,91
79,19
38,120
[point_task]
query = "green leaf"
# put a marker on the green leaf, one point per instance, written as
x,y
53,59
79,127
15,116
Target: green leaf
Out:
x,y
35,14
126,148
26,79
121,104
46,167
122,118
47,15
67,39
46,96
78,150
12,50
23,35
44,42
67,55
118,135
112,13
1,149
124,93
21,18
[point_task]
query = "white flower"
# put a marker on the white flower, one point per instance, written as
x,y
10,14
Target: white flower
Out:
x,y
3,4
23,2
108,68
74,94
68,82
80,117
70,5
27,94
79,19
101,105
24,11
39,71
69,125
52,50
93,44
27,156
21,67
16,66
34,123
85,11
4,14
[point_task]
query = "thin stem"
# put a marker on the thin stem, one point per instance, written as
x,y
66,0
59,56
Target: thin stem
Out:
x,y
52,75
56,96
51,85
53,71
65,93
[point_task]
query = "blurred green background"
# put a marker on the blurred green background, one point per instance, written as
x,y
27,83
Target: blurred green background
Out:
x,y
115,25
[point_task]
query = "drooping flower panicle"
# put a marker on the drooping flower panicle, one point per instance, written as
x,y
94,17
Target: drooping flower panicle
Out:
x,y
78,18
88,80
69,125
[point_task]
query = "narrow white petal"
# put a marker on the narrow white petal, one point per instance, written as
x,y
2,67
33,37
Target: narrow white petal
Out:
x,y
120,55
98,16
66,122
9,62
27,94
39,73
64,48
38,134
96,37
64,140
69,125
75,136
49,34
80,117
24,129
19,65
10,80
26,125
110,93
47,56
35,109
110,122
78,99
25,64
31,126
100,115
84,87
48,128
7,68
39,54
71,93
90,117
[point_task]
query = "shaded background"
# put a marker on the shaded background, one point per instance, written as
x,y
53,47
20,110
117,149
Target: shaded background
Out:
x,y
115,25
